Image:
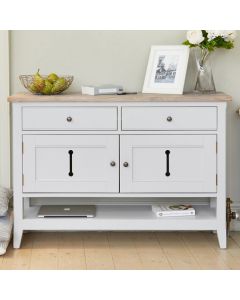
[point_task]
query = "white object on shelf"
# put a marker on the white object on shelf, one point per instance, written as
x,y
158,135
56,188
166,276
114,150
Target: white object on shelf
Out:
x,y
169,211
102,90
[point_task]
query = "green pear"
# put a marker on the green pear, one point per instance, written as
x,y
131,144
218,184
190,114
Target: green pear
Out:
x,y
38,82
52,77
59,85
32,88
47,90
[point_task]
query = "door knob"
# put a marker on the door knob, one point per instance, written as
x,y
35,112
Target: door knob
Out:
x,y
112,164
125,164
169,119
69,119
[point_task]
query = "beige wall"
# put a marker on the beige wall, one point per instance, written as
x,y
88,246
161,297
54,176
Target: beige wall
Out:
x,y
120,57
93,57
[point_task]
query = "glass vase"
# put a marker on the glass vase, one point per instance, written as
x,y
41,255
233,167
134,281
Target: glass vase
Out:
x,y
204,82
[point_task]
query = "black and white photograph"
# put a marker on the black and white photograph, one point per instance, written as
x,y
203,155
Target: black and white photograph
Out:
x,y
166,69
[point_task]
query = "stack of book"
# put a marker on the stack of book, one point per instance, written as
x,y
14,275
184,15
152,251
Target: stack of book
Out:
x,y
173,210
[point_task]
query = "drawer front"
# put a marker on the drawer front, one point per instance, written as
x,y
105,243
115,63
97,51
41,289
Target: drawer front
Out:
x,y
169,118
69,118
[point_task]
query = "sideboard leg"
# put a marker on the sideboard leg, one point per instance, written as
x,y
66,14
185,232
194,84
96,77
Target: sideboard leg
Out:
x,y
17,238
222,238
221,179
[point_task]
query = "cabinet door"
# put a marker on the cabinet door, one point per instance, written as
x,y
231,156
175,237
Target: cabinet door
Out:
x,y
71,163
168,163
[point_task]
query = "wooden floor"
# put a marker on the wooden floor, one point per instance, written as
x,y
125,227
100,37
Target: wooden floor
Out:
x,y
119,250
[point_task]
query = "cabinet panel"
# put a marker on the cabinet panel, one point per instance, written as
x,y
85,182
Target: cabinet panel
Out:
x,y
169,118
69,118
71,163
171,164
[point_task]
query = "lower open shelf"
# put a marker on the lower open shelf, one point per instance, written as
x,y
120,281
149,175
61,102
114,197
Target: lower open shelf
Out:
x,y
123,217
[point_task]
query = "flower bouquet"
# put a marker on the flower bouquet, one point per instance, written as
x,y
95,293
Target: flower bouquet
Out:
x,y
206,41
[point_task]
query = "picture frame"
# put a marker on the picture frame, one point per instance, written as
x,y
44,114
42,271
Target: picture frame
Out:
x,y
166,70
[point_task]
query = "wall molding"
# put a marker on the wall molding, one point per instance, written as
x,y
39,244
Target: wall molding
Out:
x,y
4,110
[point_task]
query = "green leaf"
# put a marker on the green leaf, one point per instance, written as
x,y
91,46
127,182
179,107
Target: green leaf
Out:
x,y
217,42
204,33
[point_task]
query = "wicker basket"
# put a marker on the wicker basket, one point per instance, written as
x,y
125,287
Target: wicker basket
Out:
x,y
27,80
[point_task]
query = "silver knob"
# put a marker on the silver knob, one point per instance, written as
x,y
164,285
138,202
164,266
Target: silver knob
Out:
x,y
69,119
169,119
236,215
125,164
112,164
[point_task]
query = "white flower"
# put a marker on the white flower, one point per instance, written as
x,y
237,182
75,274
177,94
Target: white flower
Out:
x,y
212,34
195,37
227,35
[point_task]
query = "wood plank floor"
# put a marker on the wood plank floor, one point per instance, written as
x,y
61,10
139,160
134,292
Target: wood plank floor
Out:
x,y
122,251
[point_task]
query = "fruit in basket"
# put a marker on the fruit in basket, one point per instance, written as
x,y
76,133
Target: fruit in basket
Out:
x,y
52,77
46,84
38,82
59,85
32,88
47,90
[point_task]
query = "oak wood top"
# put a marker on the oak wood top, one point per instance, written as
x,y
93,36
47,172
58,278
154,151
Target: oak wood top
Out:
x,y
78,97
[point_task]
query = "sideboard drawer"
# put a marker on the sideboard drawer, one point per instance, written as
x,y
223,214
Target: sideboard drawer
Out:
x,y
69,118
169,118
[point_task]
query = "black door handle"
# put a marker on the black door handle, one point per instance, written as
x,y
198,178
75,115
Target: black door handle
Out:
x,y
70,152
167,152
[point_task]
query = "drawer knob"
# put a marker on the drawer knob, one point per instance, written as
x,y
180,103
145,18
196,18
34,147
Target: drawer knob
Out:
x,y
169,119
69,119
125,164
112,164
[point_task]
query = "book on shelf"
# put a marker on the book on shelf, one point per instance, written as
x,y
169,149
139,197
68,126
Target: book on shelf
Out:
x,y
173,210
